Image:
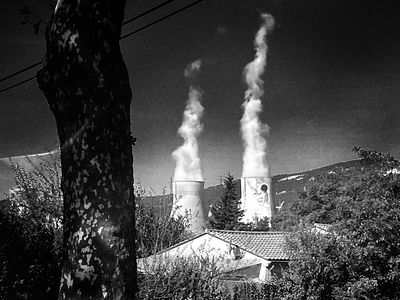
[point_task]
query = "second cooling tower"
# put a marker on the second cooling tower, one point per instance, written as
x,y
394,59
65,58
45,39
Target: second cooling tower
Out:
x,y
257,198
187,201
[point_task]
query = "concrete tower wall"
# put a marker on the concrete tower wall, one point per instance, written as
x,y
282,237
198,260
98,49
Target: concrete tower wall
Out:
x,y
187,199
257,198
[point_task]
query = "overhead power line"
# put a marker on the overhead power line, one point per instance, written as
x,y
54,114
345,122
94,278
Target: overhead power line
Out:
x,y
124,23
125,36
17,84
20,71
161,19
147,12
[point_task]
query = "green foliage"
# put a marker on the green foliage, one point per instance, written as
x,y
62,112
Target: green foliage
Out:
x,y
321,200
369,157
38,195
199,277
246,291
327,198
156,231
359,258
30,255
183,278
31,226
275,289
226,213
31,239
33,19
259,224
317,270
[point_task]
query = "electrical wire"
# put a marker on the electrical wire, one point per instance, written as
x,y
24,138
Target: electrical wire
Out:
x,y
161,19
17,84
148,11
20,71
124,23
125,36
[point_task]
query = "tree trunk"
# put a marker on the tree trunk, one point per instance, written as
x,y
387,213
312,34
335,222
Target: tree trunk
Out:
x,y
86,83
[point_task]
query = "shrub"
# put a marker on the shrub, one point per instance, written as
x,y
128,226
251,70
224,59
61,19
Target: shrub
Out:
x,y
183,278
155,229
30,243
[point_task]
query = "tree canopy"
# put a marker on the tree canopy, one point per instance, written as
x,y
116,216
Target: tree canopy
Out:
x,y
359,256
226,213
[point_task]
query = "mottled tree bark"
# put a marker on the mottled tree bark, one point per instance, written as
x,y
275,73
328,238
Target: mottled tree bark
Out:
x,y
85,81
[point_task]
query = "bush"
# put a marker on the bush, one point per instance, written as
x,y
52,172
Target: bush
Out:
x,y
358,257
155,230
31,239
31,226
183,278
275,289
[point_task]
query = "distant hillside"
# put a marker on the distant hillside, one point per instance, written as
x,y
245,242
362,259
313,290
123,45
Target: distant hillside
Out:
x,y
286,188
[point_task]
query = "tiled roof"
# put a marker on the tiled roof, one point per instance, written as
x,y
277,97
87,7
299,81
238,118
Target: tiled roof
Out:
x,y
267,245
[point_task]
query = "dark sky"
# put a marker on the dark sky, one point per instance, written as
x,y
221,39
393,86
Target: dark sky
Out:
x,y
332,81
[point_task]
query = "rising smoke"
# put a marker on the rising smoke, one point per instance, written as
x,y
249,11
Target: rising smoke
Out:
x,y
253,130
187,156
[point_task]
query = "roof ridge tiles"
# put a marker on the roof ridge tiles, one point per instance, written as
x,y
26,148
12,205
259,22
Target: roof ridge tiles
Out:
x,y
247,232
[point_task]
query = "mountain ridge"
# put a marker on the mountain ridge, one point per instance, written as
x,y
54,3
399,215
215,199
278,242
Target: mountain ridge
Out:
x,y
285,188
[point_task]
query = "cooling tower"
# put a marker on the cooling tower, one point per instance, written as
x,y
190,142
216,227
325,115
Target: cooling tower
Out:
x,y
257,198
187,200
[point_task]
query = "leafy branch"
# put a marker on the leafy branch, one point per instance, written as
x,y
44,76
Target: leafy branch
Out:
x,y
38,21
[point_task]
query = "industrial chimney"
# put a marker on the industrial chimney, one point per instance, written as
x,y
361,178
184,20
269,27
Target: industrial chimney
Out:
x,y
257,198
187,200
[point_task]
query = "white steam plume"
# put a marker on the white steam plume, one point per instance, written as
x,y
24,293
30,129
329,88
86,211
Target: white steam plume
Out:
x,y
187,156
253,130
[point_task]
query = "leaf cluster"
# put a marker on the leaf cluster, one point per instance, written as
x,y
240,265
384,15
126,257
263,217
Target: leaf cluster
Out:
x,y
31,239
226,213
183,278
155,229
359,256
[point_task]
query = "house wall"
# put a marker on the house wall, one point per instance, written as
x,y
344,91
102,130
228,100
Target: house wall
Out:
x,y
202,245
247,273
